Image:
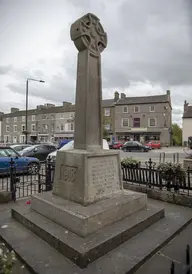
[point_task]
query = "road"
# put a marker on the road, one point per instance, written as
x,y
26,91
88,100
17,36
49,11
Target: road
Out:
x,y
155,155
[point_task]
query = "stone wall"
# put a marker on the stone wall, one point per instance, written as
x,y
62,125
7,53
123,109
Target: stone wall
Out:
x,y
187,163
5,197
162,195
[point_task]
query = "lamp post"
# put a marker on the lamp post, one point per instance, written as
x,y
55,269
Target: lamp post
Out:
x,y
26,108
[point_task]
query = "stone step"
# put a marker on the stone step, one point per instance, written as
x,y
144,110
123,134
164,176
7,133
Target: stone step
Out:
x,y
80,250
128,257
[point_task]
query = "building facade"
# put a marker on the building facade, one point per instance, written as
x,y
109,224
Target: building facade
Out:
x,y
187,123
124,118
144,118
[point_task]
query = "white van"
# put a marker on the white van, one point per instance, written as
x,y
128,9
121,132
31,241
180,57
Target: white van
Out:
x,y
70,145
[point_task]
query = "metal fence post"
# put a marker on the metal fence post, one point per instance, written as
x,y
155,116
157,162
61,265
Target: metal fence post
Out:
x,y
48,174
13,180
172,270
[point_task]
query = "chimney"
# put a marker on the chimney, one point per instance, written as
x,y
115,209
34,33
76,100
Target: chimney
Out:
x,y
116,96
14,110
185,105
168,92
123,96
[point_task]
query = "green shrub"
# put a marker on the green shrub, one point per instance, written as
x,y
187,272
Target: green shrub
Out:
x,y
130,162
171,170
7,260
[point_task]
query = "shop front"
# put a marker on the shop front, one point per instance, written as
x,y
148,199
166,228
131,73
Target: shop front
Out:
x,y
139,135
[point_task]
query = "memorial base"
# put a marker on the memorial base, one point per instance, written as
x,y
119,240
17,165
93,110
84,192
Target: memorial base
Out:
x,y
85,176
86,220
84,250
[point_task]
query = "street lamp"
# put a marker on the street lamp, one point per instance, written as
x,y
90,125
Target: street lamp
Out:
x,y
26,109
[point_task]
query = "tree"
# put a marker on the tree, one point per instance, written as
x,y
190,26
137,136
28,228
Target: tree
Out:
x,y
177,134
105,134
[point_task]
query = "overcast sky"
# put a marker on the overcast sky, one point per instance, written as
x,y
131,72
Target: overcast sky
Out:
x,y
149,49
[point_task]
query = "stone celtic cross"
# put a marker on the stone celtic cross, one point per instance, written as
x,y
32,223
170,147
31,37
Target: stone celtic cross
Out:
x,y
90,40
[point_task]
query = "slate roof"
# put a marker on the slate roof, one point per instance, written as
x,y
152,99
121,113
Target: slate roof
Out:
x,y
144,100
108,103
57,109
188,112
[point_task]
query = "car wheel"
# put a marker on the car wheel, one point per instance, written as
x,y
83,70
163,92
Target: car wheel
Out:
x,y
33,168
124,149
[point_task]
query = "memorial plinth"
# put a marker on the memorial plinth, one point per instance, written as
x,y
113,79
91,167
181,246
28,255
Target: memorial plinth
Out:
x,y
88,200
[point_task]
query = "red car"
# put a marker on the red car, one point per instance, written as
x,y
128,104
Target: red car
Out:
x,y
154,144
117,145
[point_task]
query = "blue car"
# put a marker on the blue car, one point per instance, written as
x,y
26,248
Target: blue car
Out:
x,y
22,164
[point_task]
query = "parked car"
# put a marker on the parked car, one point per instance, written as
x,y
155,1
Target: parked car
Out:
x,y
70,145
154,144
116,145
22,164
20,147
38,151
135,146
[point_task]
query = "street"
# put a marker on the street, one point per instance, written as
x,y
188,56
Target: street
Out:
x,y
155,155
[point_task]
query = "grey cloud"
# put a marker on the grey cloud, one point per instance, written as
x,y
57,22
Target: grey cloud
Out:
x,y
5,69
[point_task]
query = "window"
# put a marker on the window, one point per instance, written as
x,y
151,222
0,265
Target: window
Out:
x,y
22,139
62,116
72,115
45,127
43,117
52,117
52,127
15,119
33,127
152,108
7,128
125,109
152,122
7,120
22,128
23,119
15,128
7,138
62,128
107,126
70,126
136,109
107,112
125,122
136,122
33,118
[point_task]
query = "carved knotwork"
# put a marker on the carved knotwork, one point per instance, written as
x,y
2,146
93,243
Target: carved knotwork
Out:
x,y
88,33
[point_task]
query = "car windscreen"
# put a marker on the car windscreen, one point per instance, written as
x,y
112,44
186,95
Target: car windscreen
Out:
x,y
69,145
27,149
8,152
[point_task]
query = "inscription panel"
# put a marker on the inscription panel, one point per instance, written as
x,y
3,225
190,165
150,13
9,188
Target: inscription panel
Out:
x,y
103,176
68,173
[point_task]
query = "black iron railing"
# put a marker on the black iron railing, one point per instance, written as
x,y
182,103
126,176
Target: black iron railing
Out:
x,y
151,177
24,183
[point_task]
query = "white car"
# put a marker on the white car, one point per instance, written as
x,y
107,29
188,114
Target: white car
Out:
x,y
68,146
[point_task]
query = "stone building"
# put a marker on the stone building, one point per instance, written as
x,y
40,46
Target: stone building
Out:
x,y
187,123
138,118
144,118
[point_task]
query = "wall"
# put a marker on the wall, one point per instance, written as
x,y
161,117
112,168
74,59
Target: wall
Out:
x,y
144,115
187,129
166,196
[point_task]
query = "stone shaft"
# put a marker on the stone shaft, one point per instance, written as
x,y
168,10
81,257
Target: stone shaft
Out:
x,y
88,135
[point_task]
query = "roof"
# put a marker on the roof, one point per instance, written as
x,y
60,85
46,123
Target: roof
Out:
x,y
58,109
188,112
108,103
144,100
